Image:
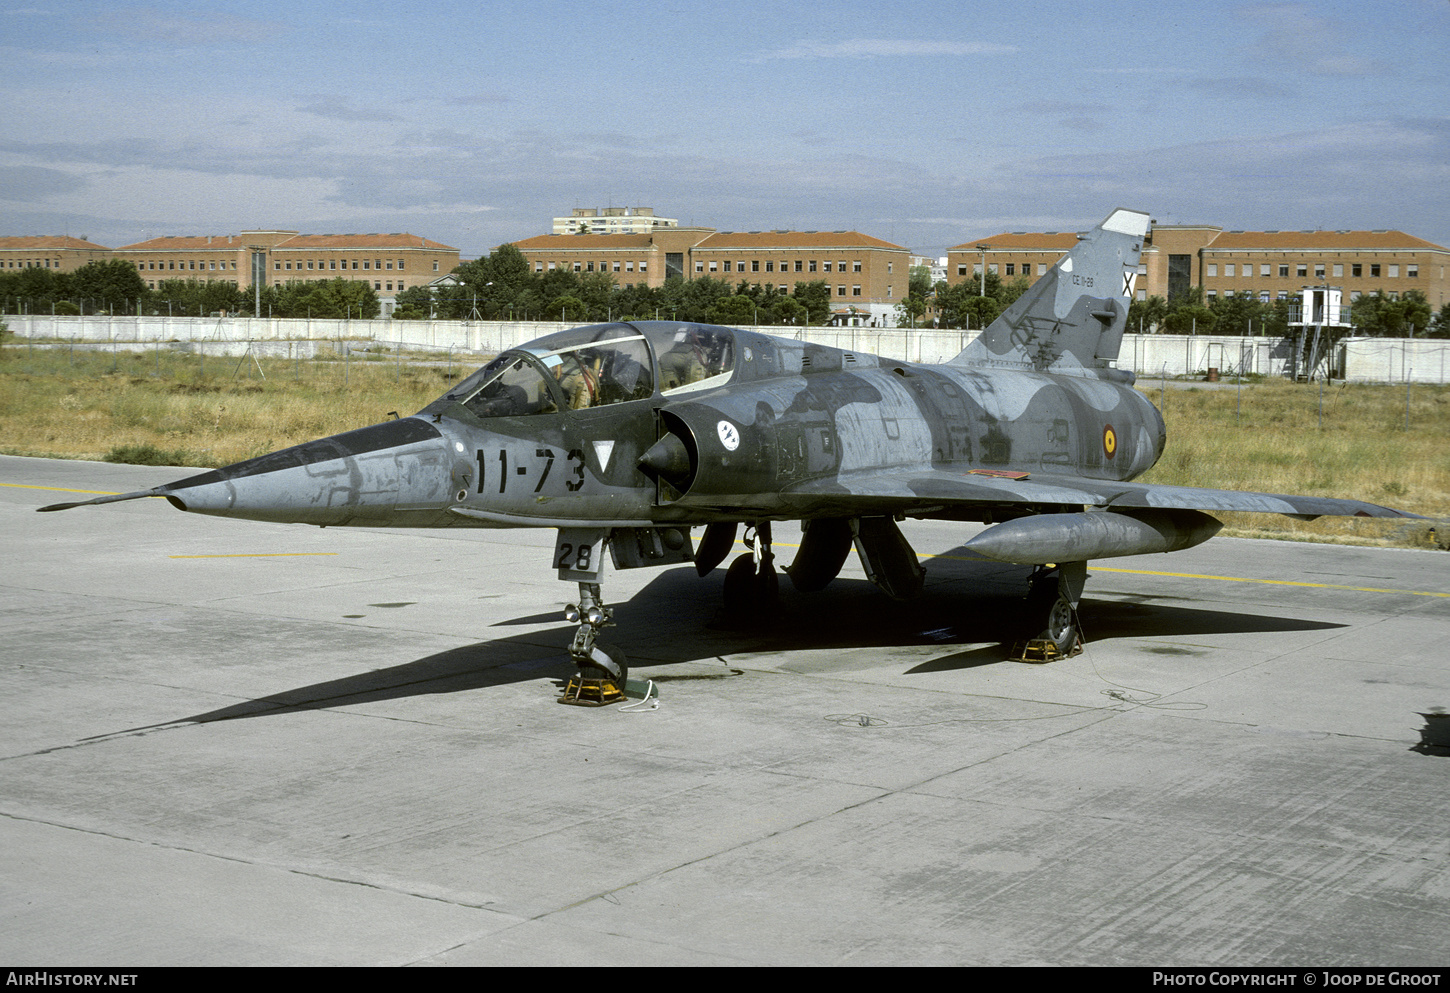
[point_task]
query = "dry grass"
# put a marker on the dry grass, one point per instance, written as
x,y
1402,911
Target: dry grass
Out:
x,y
1275,442
90,405
52,407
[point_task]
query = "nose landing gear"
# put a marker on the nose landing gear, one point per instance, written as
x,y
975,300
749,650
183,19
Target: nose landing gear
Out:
x,y
603,668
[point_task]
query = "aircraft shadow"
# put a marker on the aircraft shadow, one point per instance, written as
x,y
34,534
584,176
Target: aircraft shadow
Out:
x,y
676,618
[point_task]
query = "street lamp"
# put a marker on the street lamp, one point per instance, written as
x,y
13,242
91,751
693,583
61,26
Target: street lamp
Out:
x,y
984,249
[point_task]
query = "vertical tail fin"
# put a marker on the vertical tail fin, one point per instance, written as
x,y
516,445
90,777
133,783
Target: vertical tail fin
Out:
x,y
1074,316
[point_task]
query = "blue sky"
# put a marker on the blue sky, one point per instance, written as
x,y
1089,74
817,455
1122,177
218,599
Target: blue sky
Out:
x,y
927,124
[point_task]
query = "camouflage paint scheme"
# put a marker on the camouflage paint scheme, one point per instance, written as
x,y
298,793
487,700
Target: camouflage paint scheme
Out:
x,y
631,434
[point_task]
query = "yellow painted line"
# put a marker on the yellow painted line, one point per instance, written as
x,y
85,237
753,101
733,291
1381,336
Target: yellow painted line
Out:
x,y
1271,582
60,489
1195,575
254,555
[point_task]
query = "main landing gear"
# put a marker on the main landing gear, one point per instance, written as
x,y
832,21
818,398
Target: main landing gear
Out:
x,y
1051,628
752,587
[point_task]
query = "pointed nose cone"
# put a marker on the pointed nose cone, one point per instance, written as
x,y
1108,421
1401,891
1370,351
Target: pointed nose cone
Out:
x,y
359,477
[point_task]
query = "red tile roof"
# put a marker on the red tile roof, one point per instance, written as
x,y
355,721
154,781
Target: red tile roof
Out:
x,y
50,241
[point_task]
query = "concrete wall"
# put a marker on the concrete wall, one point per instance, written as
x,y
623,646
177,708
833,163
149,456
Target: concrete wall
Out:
x,y
1362,359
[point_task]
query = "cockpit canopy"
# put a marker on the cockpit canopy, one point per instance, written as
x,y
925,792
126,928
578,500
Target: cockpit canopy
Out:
x,y
598,365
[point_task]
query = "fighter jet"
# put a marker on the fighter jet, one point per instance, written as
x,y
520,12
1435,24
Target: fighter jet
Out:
x,y
627,436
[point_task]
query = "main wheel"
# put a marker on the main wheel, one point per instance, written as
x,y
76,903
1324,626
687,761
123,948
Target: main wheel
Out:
x,y
1061,627
739,593
1050,616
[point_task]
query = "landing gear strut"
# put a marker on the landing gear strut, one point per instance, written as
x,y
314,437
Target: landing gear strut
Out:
x,y
603,668
1053,594
752,587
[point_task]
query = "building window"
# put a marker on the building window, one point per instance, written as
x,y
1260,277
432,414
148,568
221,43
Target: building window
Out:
x,y
961,270
644,267
754,265
1011,268
769,265
797,265
1374,270
1394,272
727,266
856,266
813,265
1338,270
1302,270
1283,272
712,266
699,266
1412,271
1356,270
826,266
856,290
1213,269
1319,270
841,290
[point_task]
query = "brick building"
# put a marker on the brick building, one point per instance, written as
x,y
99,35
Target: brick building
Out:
x,y
60,252
1270,265
390,262
867,276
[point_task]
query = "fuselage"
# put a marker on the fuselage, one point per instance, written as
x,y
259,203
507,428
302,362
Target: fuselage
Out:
x,y
554,433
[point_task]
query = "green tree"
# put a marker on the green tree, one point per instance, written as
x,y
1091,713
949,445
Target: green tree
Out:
x,y
333,298
413,304
1378,315
1440,326
195,298
1235,315
111,283
1146,316
815,297
568,309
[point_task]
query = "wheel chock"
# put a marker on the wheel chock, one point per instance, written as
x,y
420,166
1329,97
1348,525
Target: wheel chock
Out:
x,y
1042,650
582,692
